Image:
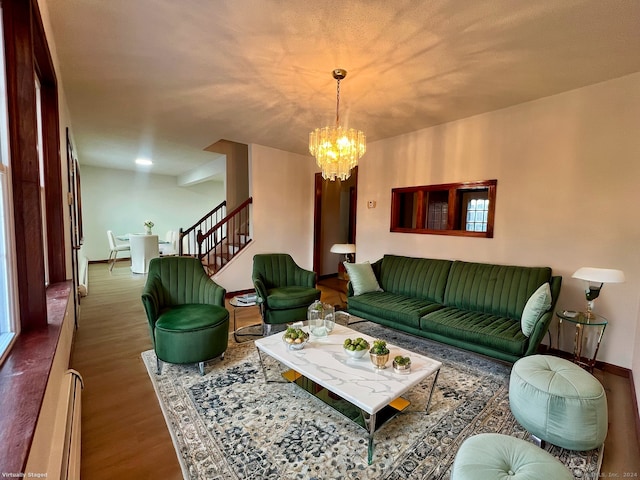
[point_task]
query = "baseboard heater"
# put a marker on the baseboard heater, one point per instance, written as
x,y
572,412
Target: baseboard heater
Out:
x,y
67,434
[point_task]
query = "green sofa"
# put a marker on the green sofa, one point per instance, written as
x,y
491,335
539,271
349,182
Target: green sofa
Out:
x,y
474,306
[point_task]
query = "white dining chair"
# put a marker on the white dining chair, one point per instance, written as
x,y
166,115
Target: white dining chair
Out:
x,y
114,247
170,247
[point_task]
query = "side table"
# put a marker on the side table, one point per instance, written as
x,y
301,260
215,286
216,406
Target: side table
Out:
x,y
236,303
581,322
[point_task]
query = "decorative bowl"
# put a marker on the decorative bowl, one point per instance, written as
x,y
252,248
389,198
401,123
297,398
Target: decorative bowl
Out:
x,y
295,345
355,353
295,338
379,361
404,369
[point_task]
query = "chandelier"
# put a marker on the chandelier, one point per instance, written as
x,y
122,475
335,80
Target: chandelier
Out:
x,y
337,149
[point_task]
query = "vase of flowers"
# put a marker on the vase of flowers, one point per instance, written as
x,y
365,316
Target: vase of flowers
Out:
x,y
148,225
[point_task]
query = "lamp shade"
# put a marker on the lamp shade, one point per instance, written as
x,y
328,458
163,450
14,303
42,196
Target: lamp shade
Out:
x,y
600,275
343,248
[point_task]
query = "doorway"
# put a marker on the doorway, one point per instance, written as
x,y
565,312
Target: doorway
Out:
x,y
335,204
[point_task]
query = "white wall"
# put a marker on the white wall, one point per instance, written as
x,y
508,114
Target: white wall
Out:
x,y
122,200
567,169
282,186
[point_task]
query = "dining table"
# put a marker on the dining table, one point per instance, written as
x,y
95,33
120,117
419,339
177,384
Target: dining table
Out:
x,y
143,249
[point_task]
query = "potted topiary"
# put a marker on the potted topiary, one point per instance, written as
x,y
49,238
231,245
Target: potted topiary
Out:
x,y
402,365
379,354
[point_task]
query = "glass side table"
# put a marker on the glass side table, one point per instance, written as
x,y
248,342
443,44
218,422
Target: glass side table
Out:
x,y
249,330
581,322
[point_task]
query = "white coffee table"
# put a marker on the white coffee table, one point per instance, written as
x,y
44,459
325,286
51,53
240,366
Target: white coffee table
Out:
x,y
373,394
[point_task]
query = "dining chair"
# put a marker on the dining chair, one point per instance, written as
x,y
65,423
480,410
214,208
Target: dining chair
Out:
x,y
170,247
115,247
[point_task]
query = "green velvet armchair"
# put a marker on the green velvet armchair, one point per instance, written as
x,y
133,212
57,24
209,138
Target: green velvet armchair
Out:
x,y
284,289
186,313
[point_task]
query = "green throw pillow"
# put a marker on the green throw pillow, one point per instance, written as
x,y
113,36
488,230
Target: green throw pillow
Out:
x,y
362,278
538,303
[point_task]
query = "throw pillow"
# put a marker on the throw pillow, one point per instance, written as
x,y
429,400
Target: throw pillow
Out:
x,y
362,278
538,303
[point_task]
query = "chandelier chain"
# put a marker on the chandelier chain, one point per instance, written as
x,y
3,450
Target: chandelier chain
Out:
x,y
338,103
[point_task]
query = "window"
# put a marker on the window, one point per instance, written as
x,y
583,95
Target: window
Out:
x,y
476,212
42,168
463,209
8,315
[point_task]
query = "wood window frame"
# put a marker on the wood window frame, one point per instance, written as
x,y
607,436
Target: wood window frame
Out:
x,y
415,218
27,55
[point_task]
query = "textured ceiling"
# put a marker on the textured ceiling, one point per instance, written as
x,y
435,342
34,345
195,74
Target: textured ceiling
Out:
x,y
166,78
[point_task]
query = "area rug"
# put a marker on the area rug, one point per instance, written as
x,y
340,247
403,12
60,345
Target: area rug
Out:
x,y
230,424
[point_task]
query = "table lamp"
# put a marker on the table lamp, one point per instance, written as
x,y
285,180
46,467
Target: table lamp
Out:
x,y
347,249
594,279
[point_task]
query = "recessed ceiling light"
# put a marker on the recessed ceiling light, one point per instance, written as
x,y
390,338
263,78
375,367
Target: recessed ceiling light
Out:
x,y
144,161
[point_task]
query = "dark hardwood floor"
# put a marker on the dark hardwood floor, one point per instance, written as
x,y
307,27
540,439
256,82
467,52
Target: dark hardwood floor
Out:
x,y
124,434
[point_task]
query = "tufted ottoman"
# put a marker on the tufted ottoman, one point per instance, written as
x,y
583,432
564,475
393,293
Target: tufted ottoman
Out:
x,y
558,402
491,456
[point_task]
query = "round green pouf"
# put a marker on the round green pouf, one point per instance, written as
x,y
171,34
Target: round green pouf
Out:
x,y
558,402
490,456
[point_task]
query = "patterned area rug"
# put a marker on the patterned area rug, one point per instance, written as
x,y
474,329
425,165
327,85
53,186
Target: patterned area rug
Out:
x,y
230,424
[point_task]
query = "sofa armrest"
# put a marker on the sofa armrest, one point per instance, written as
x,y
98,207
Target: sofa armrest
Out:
x,y
377,269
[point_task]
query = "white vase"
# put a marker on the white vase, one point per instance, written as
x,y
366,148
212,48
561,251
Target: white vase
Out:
x,y
147,230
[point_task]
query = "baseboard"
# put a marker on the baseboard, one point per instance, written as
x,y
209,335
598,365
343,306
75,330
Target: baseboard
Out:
x,y
123,259
238,292
634,399
330,275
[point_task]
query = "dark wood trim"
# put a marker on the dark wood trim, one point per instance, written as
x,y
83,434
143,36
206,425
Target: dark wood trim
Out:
x,y
53,185
21,103
636,409
23,379
229,295
455,223
317,220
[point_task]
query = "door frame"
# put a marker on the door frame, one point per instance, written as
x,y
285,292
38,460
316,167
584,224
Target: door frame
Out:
x,y
317,215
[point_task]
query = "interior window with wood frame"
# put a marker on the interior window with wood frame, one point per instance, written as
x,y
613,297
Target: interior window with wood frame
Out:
x,y
462,209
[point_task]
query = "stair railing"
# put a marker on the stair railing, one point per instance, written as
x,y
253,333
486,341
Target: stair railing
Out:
x,y
188,239
218,245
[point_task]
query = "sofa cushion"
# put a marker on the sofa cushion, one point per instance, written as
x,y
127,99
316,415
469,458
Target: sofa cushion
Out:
x,y
362,278
493,331
538,303
423,278
393,307
501,290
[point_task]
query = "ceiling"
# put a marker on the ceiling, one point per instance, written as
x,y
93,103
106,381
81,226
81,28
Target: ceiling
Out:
x,y
165,79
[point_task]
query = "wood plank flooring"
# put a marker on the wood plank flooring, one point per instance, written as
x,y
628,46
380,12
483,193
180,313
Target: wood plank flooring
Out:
x,y
124,434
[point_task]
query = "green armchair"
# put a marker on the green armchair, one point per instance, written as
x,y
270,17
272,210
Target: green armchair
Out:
x,y
284,289
186,313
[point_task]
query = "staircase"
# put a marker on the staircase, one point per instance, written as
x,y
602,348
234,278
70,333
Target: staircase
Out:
x,y
217,237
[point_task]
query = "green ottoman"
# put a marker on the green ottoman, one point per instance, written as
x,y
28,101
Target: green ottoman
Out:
x,y
491,456
558,402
